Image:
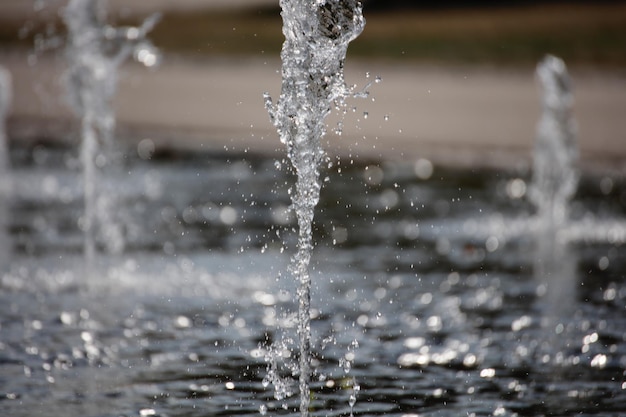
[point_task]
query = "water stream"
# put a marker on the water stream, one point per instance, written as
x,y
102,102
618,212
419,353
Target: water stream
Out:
x,y
317,34
462,293
555,174
6,97
95,51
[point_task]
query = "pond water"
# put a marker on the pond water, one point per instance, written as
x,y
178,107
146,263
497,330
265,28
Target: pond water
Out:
x,y
427,297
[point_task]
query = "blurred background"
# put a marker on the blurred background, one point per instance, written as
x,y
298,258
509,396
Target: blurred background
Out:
x,y
458,31
457,74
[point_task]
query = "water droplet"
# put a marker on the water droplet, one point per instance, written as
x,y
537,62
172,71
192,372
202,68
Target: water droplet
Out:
x,y
606,185
516,188
145,148
603,263
423,169
492,244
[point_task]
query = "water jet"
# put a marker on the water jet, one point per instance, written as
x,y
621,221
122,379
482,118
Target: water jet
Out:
x,y
95,51
317,35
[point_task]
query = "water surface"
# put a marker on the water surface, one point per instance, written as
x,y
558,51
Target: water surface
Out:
x,y
425,292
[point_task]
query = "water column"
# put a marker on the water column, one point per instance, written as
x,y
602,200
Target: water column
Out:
x,y
555,176
95,51
317,34
554,183
5,171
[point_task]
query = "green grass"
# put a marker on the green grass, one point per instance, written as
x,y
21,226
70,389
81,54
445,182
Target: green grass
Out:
x,y
582,35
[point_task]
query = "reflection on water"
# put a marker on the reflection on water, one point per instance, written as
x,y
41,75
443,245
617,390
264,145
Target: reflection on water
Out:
x,y
433,300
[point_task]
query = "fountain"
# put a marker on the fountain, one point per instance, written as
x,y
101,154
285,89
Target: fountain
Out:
x,y
454,319
317,35
555,177
95,51
554,183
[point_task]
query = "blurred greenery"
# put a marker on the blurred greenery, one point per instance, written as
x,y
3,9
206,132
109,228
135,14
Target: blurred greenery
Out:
x,y
582,34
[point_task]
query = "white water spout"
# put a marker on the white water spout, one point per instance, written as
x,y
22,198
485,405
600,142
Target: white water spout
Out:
x,y
95,51
555,175
317,34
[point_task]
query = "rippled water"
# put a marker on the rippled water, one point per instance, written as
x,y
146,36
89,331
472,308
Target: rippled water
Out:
x,y
425,292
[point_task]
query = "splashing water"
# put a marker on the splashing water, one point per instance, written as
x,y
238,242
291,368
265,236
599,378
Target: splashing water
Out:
x,y
95,51
555,177
352,401
317,34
